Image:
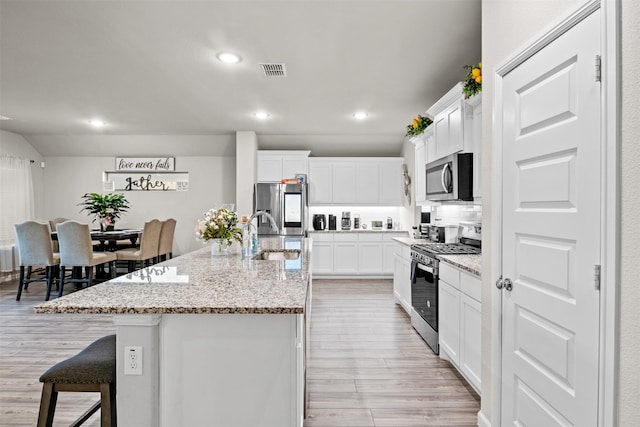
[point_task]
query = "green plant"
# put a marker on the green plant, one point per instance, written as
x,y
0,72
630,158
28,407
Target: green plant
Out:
x,y
219,224
418,125
473,81
105,208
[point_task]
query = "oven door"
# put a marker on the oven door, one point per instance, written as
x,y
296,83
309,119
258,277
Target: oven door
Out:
x,y
424,293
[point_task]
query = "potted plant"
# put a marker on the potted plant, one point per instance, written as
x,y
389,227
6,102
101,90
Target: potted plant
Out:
x,y
105,208
221,227
418,125
473,80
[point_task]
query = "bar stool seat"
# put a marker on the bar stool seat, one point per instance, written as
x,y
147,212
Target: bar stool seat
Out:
x,y
91,370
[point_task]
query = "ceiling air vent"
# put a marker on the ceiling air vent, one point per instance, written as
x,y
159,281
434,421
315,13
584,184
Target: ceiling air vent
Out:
x,y
273,70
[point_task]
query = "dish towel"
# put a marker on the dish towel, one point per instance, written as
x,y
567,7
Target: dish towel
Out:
x,y
414,267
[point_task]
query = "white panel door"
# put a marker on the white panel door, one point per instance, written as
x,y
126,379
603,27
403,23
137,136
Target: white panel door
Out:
x,y
420,174
269,168
449,321
294,165
551,217
345,258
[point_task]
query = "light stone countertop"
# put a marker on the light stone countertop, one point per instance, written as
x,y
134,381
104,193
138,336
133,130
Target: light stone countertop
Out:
x,y
359,230
470,263
197,282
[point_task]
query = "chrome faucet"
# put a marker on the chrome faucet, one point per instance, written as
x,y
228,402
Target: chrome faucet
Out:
x,y
272,221
249,241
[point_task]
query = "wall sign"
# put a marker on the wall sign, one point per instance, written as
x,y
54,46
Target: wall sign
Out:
x,y
164,164
145,181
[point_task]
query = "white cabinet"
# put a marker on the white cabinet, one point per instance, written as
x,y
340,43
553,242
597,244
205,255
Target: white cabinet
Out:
x,y
320,182
390,179
470,361
322,256
452,130
344,182
388,253
355,182
449,321
473,128
345,253
370,253
353,253
275,165
460,320
402,276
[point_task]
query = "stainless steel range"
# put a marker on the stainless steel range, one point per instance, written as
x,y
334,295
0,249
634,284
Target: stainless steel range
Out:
x,y
424,285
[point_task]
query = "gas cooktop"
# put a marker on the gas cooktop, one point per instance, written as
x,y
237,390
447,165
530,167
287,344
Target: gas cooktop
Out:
x,y
446,249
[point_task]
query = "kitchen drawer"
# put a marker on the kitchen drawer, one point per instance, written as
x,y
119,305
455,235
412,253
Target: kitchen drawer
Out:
x,y
345,237
370,237
471,285
450,274
322,237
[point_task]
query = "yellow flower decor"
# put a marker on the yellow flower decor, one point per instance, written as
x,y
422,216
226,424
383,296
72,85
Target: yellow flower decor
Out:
x,y
418,125
473,81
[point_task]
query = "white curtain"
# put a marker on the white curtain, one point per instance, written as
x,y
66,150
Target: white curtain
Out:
x,y
16,205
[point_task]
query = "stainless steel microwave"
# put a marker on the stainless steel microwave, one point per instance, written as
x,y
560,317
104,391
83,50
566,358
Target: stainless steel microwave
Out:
x,y
451,178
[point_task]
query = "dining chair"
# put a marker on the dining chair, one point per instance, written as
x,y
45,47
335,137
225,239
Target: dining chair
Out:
x,y
148,250
76,251
53,223
34,248
165,245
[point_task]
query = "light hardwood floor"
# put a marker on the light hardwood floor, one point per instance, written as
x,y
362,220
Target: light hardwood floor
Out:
x,y
367,366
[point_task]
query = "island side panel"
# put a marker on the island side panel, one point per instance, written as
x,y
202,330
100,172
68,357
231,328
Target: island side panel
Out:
x,y
137,395
229,369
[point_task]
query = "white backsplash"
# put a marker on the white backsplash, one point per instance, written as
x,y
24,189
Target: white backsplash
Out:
x,y
367,214
453,214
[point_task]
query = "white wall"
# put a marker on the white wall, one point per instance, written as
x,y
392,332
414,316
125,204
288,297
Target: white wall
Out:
x,y
211,182
12,144
629,389
410,215
506,26
246,160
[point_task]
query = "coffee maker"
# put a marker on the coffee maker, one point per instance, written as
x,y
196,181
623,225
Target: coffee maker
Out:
x,y
346,220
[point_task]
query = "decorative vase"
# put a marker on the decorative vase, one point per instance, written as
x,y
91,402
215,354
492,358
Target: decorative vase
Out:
x,y
104,227
219,247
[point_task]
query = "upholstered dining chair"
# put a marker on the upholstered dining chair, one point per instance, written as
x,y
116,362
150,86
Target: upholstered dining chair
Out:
x,y
34,248
53,223
76,250
165,245
148,250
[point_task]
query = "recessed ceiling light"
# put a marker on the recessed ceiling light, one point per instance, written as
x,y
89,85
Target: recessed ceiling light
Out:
x,y
261,115
360,115
228,57
97,123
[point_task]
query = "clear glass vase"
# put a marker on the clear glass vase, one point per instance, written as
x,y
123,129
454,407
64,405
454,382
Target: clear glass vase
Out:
x,y
219,247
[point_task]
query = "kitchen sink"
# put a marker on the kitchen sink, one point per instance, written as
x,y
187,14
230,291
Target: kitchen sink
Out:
x,y
277,254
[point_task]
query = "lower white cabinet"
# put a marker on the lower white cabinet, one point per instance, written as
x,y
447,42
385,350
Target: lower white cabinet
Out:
x,y
402,276
460,320
449,321
353,253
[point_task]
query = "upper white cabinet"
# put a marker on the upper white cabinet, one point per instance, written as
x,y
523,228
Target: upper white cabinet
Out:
x,y
275,165
355,181
456,127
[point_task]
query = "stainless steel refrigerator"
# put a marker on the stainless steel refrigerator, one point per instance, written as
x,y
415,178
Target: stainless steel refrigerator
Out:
x,y
287,204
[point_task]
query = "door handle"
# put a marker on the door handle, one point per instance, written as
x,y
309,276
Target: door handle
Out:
x,y
508,284
499,283
444,185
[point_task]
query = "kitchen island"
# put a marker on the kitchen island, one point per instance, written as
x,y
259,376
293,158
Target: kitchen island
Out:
x,y
222,338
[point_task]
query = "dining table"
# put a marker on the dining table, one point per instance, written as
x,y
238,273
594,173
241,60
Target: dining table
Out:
x,y
108,240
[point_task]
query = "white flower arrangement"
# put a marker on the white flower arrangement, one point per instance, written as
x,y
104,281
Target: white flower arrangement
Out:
x,y
219,224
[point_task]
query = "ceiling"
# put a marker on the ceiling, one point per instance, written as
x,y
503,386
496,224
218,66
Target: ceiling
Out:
x,y
149,68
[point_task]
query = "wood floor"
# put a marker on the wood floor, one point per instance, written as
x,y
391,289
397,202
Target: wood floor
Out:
x,y
367,366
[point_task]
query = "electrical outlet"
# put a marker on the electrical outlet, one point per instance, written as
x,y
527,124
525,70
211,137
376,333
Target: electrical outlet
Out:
x,y
133,360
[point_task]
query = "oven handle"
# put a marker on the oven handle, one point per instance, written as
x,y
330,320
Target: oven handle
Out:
x,y
425,268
